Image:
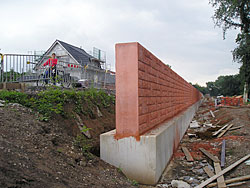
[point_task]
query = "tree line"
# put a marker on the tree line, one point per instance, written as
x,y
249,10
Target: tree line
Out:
x,y
229,85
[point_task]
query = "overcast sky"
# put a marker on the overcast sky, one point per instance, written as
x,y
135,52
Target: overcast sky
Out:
x,y
181,33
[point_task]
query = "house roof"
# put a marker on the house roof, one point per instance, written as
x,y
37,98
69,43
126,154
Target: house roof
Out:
x,y
78,54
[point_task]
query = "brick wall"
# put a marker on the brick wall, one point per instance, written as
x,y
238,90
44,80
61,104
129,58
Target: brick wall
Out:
x,y
148,92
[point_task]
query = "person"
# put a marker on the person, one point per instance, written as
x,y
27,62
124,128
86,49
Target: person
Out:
x,y
51,72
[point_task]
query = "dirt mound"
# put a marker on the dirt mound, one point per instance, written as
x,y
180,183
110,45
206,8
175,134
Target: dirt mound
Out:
x,y
42,154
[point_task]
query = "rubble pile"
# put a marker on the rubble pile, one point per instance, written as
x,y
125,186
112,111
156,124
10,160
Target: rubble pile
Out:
x,y
212,146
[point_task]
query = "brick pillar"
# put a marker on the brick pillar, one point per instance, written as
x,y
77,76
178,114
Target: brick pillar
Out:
x,y
127,115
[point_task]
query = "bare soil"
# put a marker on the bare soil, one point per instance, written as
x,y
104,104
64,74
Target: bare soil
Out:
x,y
42,154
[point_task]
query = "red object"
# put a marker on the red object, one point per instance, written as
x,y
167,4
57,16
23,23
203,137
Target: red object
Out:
x,y
71,65
68,65
77,66
74,66
51,62
148,92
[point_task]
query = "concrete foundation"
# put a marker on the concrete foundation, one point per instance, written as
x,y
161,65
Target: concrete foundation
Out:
x,y
145,160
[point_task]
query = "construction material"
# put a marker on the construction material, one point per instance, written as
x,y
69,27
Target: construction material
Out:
x,y
236,184
223,153
194,124
234,128
212,114
247,163
224,131
208,171
217,132
209,155
203,184
242,178
218,122
187,154
220,180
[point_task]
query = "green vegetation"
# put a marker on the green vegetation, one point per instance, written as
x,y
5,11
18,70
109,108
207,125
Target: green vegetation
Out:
x,y
59,150
134,183
53,101
83,143
224,85
234,14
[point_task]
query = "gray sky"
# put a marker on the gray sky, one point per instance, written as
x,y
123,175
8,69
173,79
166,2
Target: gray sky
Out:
x,y
180,33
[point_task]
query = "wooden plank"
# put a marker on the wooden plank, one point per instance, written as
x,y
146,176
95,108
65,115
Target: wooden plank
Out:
x,y
203,184
212,114
217,132
218,122
187,154
236,184
220,180
208,171
209,155
242,178
223,153
234,128
224,131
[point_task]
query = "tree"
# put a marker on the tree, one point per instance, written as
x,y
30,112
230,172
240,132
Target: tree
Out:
x,y
200,88
236,14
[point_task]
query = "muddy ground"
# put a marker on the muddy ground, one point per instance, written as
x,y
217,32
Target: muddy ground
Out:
x,y
42,154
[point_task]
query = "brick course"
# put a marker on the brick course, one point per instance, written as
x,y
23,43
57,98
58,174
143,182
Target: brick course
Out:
x,y
161,93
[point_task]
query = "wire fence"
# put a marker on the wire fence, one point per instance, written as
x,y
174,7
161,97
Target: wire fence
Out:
x,y
31,69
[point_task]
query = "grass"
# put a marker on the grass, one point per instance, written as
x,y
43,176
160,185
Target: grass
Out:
x,y
53,100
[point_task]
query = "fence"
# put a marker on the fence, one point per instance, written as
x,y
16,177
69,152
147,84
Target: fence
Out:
x,y
29,68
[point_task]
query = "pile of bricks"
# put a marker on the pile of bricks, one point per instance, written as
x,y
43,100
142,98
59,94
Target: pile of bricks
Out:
x,y
232,101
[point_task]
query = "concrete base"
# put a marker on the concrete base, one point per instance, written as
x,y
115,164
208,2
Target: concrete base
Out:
x,y
145,160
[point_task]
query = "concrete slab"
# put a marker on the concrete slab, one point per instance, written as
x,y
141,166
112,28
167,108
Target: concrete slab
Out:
x,y
146,159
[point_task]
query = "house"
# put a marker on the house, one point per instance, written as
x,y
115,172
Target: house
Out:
x,y
77,63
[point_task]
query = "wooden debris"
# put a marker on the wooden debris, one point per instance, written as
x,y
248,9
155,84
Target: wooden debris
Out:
x,y
234,128
217,122
224,131
217,132
242,178
203,184
212,114
187,154
236,184
223,153
220,180
209,155
208,171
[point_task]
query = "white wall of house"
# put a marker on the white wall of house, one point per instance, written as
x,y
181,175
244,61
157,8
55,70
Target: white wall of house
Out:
x,y
63,60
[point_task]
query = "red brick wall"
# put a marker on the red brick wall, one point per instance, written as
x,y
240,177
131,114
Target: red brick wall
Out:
x,y
161,94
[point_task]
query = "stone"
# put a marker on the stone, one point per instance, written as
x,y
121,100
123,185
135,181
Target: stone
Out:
x,y
162,186
99,114
83,163
179,184
1,105
1,101
194,124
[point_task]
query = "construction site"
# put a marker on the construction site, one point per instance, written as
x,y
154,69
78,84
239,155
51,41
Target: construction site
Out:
x,y
142,126
75,68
